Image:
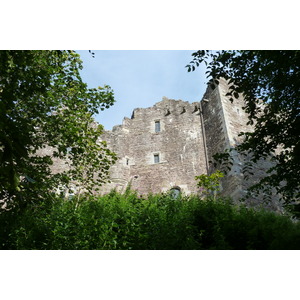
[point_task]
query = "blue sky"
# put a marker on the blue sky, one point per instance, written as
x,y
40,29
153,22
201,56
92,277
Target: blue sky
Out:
x,y
140,78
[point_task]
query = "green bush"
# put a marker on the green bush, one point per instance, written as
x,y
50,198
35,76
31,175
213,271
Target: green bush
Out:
x,y
128,221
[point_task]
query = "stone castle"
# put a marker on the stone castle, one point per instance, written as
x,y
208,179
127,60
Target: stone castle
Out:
x,y
165,146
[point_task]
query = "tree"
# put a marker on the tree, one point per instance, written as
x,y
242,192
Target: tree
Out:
x,y
44,103
269,82
209,184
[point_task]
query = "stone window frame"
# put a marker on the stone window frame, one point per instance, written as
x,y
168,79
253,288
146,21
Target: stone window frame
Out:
x,y
158,156
157,129
128,161
161,125
175,192
151,160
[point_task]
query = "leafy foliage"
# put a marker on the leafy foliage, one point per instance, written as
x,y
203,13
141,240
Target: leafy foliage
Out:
x,y
43,102
209,183
128,221
269,82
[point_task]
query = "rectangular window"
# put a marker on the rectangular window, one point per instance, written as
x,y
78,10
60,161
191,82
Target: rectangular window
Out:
x,y
157,126
156,158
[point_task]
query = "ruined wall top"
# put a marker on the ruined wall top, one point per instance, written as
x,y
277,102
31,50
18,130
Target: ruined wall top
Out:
x,y
166,107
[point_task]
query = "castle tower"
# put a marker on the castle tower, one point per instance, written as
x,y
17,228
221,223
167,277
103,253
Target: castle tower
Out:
x,y
223,122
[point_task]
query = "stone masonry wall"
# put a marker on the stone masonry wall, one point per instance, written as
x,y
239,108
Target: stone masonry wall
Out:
x,y
178,146
223,122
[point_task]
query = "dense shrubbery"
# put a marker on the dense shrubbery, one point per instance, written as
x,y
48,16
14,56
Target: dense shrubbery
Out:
x,y
128,221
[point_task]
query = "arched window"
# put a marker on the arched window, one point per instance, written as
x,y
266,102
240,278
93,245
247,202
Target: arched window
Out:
x,y
175,192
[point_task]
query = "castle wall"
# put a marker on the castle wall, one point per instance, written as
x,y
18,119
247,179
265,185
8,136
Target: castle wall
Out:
x,y
178,145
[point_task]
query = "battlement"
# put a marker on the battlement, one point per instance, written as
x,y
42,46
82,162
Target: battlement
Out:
x,y
166,107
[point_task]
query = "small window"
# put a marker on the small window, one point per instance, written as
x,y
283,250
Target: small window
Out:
x,y
175,192
156,158
157,126
127,161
